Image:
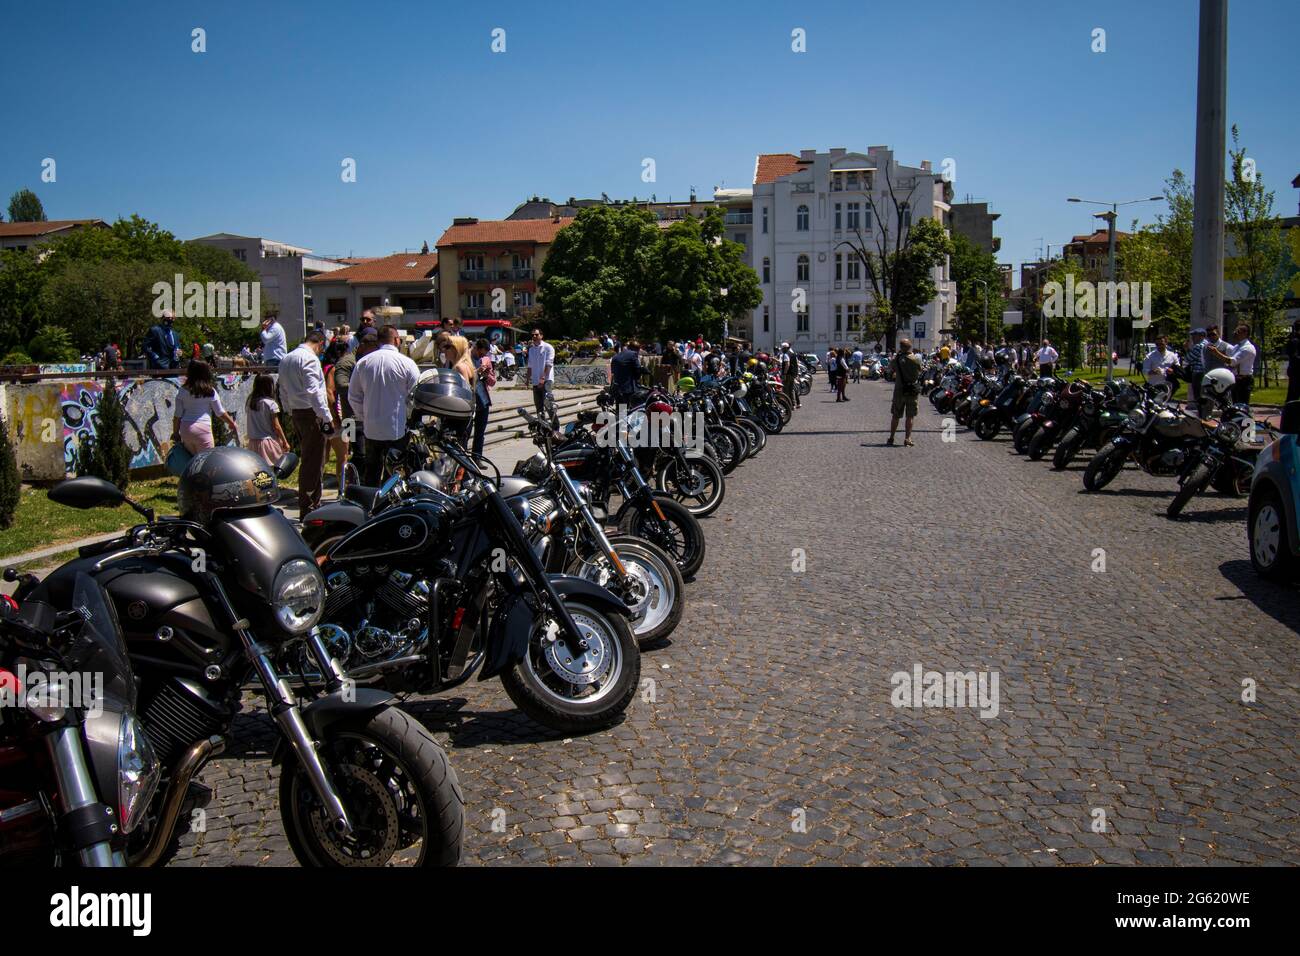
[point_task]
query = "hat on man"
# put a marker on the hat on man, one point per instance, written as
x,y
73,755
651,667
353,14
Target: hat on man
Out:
x,y
369,334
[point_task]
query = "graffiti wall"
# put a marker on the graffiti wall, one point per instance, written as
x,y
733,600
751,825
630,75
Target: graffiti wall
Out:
x,y
48,420
593,375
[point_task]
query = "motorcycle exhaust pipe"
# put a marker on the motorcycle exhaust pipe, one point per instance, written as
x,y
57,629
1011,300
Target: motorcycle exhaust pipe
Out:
x,y
191,762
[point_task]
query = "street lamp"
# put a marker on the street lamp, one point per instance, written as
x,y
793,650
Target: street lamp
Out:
x,y
1110,218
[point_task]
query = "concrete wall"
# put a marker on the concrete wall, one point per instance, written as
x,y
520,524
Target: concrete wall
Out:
x,y
47,420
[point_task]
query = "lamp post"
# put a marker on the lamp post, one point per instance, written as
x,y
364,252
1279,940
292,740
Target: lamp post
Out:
x,y
1110,218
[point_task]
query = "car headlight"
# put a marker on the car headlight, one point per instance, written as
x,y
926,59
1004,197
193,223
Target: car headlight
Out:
x,y
138,772
298,595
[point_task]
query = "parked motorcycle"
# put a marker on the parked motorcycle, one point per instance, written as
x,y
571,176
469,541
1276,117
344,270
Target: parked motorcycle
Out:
x,y
1225,459
1156,436
209,601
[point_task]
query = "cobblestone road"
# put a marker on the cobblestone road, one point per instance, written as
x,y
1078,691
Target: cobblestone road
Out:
x,y
772,737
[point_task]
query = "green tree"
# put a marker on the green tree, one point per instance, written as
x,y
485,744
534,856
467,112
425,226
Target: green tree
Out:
x,y
1161,253
695,263
105,454
25,206
10,484
971,265
22,277
52,343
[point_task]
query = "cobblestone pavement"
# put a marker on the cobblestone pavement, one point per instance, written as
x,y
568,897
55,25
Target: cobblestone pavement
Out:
x,y
772,737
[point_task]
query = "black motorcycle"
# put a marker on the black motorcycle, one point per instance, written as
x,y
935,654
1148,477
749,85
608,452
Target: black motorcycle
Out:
x,y
435,588
361,782
1157,436
1225,459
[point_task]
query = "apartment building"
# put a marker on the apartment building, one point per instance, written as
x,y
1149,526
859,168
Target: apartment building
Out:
x,y
408,280
283,270
974,221
488,269
803,210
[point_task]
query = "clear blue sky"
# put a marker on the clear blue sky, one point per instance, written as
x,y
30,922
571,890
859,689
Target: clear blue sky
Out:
x,y
249,136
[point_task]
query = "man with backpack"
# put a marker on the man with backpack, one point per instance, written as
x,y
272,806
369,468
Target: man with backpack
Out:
x,y
907,379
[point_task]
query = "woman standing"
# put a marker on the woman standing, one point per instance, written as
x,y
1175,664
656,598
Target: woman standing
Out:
x,y
196,403
265,435
455,352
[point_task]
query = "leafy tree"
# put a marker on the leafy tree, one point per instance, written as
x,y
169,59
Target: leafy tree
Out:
x,y
105,455
24,206
969,265
695,262
10,485
106,300
1162,255
53,344
22,277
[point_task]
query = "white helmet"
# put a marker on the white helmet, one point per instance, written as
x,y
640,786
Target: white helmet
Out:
x,y
1218,382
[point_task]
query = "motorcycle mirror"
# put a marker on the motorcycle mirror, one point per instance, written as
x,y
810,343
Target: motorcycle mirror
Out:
x,y
285,465
87,492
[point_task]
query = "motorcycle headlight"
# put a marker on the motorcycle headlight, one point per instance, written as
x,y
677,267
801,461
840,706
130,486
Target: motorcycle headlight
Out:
x,y
138,772
298,595
1137,416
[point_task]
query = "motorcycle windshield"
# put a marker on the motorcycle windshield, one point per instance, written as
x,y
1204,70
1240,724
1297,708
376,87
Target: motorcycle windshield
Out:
x,y
98,648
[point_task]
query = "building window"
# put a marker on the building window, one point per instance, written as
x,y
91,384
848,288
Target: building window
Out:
x,y
739,237
801,219
767,270
839,318
853,215
838,219
765,219
855,267
765,319
336,306
370,302
855,317
839,266
801,321
474,300
471,264
240,254
801,269
523,263
523,300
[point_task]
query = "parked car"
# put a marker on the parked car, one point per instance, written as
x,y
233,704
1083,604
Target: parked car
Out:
x,y
1275,503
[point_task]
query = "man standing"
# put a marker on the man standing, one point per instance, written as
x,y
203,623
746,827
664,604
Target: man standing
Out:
x,y
856,363
275,344
162,346
790,373
541,376
381,383
1047,357
1194,367
484,379
625,371
907,378
302,390
1160,366
1244,354
342,373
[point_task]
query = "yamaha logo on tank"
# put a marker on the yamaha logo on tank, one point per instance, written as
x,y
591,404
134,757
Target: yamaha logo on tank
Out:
x,y
405,531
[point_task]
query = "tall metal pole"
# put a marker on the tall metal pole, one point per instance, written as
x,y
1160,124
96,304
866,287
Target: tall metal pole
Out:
x,y
1110,325
1211,128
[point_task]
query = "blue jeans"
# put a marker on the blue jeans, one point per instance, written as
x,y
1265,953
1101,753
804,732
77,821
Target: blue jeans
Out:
x,y
481,412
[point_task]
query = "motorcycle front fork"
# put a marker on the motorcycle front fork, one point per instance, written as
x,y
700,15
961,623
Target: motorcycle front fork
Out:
x,y
76,787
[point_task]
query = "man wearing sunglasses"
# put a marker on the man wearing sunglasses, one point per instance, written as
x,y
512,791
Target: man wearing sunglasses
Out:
x,y
541,376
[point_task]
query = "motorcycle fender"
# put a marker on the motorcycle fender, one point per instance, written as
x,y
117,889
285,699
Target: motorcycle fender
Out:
x,y
328,518
323,712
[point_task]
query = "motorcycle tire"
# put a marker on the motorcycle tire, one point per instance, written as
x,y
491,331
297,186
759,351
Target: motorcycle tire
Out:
x,y
1041,442
679,532
757,434
725,449
657,614
962,413
701,493
388,768
1067,449
770,419
740,438
538,685
1023,435
1225,481
986,425
785,405
1191,487
804,386
1105,465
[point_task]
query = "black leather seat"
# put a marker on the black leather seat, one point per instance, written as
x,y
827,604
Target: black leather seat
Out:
x,y
364,495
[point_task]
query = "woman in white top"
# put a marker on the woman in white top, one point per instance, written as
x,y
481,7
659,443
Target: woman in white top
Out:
x,y
196,403
265,435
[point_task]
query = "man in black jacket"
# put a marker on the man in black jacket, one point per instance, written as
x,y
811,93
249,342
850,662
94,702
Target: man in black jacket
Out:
x,y
162,346
625,371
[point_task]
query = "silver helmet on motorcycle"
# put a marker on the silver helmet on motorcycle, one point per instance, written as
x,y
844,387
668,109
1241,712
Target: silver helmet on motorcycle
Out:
x,y
1218,383
225,479
443,393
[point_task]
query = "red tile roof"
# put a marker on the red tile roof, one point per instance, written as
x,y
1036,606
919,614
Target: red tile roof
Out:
x,y
1099,236
385,269
503,230
18,230
772,166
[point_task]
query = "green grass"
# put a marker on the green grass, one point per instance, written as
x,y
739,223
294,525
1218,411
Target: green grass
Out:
x,y
1270,395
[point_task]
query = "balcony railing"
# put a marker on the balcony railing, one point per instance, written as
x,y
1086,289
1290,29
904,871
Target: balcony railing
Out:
x,y
739,219
495,275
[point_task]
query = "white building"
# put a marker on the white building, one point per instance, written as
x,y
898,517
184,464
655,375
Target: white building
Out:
x,y
804,209
283,269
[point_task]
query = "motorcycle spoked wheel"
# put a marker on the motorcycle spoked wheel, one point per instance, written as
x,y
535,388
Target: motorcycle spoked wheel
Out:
x,y
770,419
804,385
1067,449
402,797
1105,465
657,594
582,694
726,451
699,487
1226,481
757,436
786,407
1194,484
678,533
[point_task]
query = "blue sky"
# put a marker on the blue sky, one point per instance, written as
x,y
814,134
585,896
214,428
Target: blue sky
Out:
x,y
249,136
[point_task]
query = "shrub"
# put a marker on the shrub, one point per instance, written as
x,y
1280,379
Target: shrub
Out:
x,y
106,455
10,485
53,344
16,357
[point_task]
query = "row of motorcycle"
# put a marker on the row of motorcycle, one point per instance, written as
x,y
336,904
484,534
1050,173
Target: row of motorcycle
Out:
x,y
1208,444
123,670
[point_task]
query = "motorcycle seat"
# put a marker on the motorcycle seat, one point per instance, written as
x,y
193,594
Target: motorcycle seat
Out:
x,y
363,495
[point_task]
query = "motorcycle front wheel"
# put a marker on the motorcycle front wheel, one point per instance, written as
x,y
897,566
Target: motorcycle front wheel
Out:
x,y
577,693
1067,449
1105,465
987,425
695,483
401,795
1040,443
657,592
1023,435
677,532
1193,486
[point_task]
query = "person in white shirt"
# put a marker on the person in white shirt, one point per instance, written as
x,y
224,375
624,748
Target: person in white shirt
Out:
x,y
1047,357
378,391
1159,365
1244,355
302,392
274,343
541,377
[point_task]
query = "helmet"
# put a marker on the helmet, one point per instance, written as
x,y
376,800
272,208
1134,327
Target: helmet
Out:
x,y
442,392
785,345
752,362
224,479
764,357
685,383
1218,382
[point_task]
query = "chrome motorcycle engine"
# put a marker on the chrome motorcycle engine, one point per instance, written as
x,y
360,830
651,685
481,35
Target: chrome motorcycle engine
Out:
x,y
382,617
